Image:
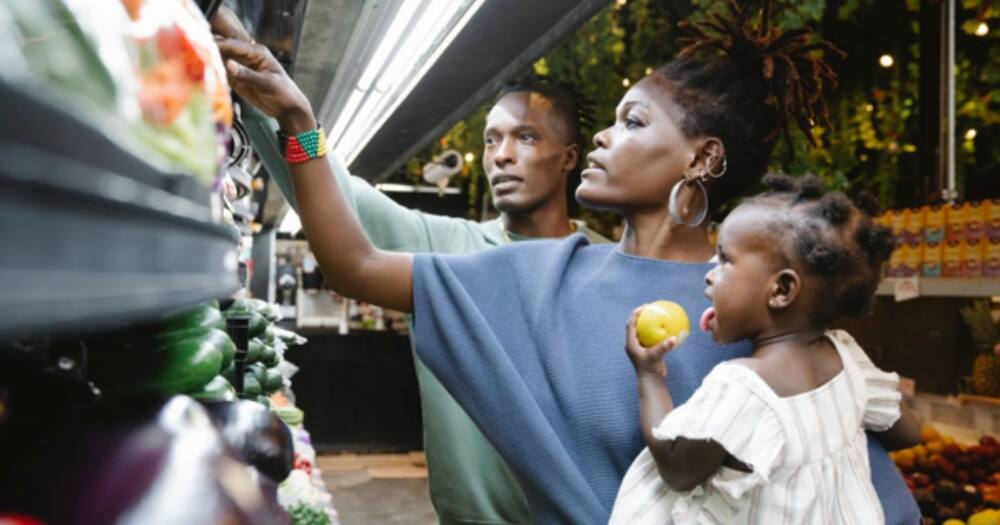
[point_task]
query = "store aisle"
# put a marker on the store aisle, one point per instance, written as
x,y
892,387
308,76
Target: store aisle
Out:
x,y
378,488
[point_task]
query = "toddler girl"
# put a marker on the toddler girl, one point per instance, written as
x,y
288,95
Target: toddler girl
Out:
x,y
778,437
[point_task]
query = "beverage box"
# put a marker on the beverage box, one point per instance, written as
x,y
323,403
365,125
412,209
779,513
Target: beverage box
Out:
x,y
934,223
914,229
951,259
974,216
895,268
897,223
993,219
933,258
913,258
954,219
991,260
972,258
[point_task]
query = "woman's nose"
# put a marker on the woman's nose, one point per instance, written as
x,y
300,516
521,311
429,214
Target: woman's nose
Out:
x,y
600,138
708,277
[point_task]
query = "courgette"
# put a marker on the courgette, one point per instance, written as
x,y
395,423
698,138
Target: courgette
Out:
x,y
160,366
218,389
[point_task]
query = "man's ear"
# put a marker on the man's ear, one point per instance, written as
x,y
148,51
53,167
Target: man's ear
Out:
x,y
571,157
785,288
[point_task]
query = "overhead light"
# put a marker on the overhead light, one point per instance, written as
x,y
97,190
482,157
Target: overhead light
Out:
x,y
469,157
886,60
982,29
970,134
412,42
625,82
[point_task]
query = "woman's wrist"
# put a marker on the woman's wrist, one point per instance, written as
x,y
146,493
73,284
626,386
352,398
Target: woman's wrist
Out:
x,y
297,120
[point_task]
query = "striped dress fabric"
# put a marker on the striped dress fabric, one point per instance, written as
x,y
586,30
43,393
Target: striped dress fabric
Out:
x,y
808,452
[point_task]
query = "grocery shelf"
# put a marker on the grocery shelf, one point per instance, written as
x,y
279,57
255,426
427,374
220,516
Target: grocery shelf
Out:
x,y
90,234
949,287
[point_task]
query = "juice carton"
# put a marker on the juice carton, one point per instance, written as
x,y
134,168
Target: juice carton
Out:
x,y
897,223
991,261
896,263
972,258
954,219
975,220
993,219
951,259
913,258
934,223
933,257
915,219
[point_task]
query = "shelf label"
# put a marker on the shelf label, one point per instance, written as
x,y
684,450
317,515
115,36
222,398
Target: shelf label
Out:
x,y
906,288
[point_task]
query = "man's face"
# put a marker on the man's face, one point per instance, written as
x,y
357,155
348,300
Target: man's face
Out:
x,y
527,153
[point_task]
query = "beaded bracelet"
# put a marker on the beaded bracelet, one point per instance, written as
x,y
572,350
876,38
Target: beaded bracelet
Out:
x,y
304,146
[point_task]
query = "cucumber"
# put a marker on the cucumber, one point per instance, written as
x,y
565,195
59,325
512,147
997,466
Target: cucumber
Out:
x,y
160,366
273,380
268,355
201,317
218,389
255,351
251,387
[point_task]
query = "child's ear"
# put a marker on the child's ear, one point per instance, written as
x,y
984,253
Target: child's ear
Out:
x,y
785,287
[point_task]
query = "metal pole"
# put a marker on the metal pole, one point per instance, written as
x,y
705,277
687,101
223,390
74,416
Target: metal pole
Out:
x,y
948,193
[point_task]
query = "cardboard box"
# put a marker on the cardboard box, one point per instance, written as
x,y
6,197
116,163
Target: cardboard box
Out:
x,y
991,260
951,258
913,258
897,223
972,258
933,259
914,224
954,219
993,219
895,268
934,223
974,216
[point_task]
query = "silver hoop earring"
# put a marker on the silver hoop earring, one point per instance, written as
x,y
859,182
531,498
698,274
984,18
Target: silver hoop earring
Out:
x,y
672,206
725,166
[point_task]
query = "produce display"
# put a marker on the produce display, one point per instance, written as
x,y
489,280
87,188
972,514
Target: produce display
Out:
x,y
145,72
986,336
952,480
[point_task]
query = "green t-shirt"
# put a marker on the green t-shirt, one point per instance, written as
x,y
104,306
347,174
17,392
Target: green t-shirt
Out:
x,y
469,482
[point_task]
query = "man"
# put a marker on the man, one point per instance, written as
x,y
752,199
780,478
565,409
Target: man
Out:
x,y
532,144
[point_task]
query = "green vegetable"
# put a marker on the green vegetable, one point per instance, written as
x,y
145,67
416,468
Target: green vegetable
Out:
x,y
218,389
303,514
200,317
268,355
264,401
255,351
268,310
251,387
258,324
259,372
272,380
229,373
290,415
160,365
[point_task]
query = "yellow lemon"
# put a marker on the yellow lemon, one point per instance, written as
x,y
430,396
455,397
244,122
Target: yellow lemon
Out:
x,y
660,320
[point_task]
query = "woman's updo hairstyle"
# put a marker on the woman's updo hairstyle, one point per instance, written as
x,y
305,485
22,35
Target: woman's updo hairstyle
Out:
x,y
741,80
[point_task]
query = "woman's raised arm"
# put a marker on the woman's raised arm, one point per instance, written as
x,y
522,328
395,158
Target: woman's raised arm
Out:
x,y
351,264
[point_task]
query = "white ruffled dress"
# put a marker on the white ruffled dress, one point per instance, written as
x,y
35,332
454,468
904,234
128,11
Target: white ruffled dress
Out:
x,y
808,452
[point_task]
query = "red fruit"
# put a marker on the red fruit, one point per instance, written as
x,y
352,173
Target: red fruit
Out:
x,y
920,479
977,475
951,451
962,476
910,484
988,441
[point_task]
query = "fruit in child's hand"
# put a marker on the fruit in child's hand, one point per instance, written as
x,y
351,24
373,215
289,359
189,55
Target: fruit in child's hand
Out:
x,y
662,319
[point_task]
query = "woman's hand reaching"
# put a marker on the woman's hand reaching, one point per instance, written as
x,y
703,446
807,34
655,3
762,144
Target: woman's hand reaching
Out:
x,y
258,77
646,360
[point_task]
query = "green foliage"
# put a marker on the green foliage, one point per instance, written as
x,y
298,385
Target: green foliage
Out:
x,y
984,329
874,112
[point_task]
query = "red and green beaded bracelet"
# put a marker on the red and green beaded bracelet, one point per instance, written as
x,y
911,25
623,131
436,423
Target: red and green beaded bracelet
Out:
x,y
304,146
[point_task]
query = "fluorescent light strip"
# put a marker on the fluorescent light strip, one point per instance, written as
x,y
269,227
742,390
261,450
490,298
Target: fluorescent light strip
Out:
x,y
360,131
388,44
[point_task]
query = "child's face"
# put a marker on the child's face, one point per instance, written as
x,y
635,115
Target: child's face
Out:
x,y
739,284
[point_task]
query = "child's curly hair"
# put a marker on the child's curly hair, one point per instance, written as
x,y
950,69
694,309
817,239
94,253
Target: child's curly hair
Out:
x,y
830,237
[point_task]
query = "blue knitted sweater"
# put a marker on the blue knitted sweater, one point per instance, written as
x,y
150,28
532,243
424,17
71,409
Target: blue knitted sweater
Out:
x,y
529,339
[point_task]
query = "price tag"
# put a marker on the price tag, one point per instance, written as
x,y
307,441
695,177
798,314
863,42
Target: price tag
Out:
x,y
906,288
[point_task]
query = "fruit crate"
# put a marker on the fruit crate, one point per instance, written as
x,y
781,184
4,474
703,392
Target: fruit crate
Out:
x,y
90,234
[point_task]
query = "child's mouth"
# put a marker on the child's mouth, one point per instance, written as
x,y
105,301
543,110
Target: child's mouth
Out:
x,y
707,317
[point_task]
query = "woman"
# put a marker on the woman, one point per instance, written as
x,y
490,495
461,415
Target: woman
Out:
x,y
528,338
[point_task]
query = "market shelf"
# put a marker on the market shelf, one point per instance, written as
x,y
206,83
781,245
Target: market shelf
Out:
x,y
949,287
91,235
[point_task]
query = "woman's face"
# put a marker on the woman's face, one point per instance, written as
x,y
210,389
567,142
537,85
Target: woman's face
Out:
x,y
640,157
